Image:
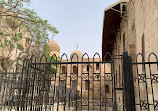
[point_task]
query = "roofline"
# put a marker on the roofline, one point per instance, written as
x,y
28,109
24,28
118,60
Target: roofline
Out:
x,y
119,1
104,17
115,4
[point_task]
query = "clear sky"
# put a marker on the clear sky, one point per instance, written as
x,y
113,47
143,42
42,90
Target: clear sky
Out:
x,y
78,21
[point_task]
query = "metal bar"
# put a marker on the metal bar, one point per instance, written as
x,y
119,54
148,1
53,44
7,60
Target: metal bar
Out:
x,y
132,91
76,88
54,89
140,63
119,88
32,95
72,63
113,85
104,90
142,101
58,89
128,83
66,73
123,100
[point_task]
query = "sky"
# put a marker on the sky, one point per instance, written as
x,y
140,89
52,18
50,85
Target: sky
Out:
x,y
78,22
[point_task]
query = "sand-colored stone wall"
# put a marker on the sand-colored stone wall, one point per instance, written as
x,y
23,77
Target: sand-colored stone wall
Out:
x,y
146,22
83,73
96,87
142,19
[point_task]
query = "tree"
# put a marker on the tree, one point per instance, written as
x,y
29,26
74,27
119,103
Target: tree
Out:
x,y
22,32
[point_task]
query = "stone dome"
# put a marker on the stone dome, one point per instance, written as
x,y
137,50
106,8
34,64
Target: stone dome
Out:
x,y
55,48
78,52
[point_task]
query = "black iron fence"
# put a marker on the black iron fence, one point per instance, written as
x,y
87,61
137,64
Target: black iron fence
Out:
x,y
146,82
112,83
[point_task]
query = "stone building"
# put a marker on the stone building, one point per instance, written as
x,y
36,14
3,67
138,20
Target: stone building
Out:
x,y
10,30
79,76
132,26
55,48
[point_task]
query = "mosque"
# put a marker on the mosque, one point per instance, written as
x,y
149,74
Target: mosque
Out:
x,y
88,78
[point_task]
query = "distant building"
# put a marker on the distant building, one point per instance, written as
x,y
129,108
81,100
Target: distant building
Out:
x,y
55,48
80,76
9,28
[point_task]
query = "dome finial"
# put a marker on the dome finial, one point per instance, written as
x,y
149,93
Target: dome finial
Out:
x,y
77,45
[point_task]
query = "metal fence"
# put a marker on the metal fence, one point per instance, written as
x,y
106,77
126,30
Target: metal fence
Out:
x,y
146,82
59,84
112,83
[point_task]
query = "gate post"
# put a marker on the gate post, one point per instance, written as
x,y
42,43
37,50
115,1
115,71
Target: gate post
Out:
x,y
128,83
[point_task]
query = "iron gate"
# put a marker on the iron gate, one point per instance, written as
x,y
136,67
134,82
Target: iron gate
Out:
x,y
114,83
73,85
61,85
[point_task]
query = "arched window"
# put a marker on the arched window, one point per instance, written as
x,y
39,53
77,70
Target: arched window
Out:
x,y
106,89
97,66
74,69
87,67
87,84
63,69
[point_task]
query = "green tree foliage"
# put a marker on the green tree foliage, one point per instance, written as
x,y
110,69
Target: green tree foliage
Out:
x,y
22,32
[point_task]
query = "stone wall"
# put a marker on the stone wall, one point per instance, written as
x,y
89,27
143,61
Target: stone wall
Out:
x,y
146,22
142,19
96,87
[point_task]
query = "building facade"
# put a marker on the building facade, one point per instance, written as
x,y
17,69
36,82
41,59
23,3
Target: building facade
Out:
x,y
81,74
131,25
14,40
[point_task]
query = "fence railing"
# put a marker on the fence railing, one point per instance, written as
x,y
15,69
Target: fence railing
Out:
x,y
82,83
145,72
